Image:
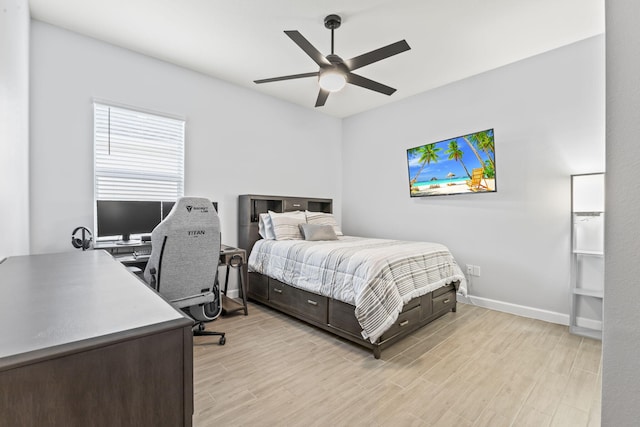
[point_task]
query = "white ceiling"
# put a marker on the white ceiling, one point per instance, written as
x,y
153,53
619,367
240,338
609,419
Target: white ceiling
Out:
x,y
243,40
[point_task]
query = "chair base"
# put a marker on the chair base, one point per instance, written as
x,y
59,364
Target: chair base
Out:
x,y
199,331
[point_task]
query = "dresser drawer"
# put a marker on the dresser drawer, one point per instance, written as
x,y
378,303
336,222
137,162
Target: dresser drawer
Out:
x,y
444,301
406,320
303,303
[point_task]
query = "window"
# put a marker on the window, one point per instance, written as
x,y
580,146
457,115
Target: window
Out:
x,y
138,156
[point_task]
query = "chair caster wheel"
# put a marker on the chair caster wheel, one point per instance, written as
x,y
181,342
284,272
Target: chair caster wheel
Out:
x,y
222,340
200,327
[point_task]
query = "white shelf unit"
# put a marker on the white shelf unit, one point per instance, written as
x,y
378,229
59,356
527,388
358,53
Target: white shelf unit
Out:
x,y
587,257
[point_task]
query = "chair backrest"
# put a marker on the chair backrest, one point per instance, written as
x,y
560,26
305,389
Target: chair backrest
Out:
x,y
476,176
185,252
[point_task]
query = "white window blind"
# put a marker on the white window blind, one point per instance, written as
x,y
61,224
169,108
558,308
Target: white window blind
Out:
x,y
138,156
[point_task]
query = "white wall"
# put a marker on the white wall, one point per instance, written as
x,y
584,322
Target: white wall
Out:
x,y
237,141
548,115
621,341
14,127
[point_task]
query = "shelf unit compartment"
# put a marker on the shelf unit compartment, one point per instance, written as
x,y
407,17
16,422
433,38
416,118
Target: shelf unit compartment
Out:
x,y
320,206
264,206
587,255
588,233
589,273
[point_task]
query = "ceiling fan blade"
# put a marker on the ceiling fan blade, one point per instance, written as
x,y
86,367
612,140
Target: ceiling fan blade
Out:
x,y
322,97
304,44
293,76
377,55
369,84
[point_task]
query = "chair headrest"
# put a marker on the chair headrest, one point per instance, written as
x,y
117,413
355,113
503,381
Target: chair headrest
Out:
x,y
192,210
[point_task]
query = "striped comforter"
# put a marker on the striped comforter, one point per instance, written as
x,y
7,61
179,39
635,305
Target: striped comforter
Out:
x,y
377,276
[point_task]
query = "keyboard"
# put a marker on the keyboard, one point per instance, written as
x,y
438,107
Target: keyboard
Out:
x,y
142,253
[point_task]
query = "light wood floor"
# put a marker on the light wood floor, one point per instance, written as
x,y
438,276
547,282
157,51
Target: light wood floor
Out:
x,y
475,367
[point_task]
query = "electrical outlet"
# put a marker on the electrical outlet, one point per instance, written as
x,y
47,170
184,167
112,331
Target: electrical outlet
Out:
x,y
470,269
476,270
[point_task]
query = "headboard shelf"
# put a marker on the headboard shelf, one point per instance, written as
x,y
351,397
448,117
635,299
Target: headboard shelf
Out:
x,y
250,206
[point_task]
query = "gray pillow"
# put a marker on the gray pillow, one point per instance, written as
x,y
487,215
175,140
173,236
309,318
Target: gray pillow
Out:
x,y
317,232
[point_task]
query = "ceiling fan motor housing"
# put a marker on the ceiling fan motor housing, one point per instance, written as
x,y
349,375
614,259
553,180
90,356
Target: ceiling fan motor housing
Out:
x,y
332,22
334,59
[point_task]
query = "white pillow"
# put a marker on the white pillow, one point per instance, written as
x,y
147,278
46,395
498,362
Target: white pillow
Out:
x,y
322,218
285,225
265,227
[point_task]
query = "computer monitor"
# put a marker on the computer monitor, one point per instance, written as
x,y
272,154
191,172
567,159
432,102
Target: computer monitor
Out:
x,y
127,217
166,208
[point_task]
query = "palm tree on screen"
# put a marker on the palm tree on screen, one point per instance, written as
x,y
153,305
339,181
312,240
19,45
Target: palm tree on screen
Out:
x,y
428,154
469,140
455,153
484,141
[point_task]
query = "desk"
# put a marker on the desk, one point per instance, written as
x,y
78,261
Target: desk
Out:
x,y
234,259
135,255
84,342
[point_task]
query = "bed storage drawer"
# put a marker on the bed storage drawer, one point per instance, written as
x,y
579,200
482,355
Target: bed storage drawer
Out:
x,y
303,303
258,287
443,290
342,316
406,320
294,205
444,301
411,304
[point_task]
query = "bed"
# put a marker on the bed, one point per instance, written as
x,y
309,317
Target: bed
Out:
x,y
373,292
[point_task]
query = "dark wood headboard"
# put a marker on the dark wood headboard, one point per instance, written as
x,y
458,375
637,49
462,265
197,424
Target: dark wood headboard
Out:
x,y
250,206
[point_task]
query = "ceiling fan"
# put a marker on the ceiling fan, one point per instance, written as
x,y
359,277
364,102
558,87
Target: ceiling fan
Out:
x,y
335,72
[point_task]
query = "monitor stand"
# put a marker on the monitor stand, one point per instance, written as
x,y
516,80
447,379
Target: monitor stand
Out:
x,y
127,241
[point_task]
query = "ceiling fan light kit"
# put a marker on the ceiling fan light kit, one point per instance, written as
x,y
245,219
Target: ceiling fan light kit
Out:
x,y
334,73
333,81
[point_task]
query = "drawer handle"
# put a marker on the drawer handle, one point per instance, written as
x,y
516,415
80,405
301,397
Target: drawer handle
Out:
x,y
296,205
404,323
446,301
279,291
312,302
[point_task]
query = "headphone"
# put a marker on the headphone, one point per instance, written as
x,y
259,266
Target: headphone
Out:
x,y
85,241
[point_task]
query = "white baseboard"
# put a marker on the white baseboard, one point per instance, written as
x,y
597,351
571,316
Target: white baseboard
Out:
x,y
233,293
519,310
232,287
530,312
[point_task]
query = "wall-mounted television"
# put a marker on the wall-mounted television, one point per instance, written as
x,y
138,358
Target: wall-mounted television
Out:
x,y
464,164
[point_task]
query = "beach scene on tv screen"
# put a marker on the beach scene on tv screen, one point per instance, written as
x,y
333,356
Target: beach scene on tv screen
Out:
x,y
465,164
